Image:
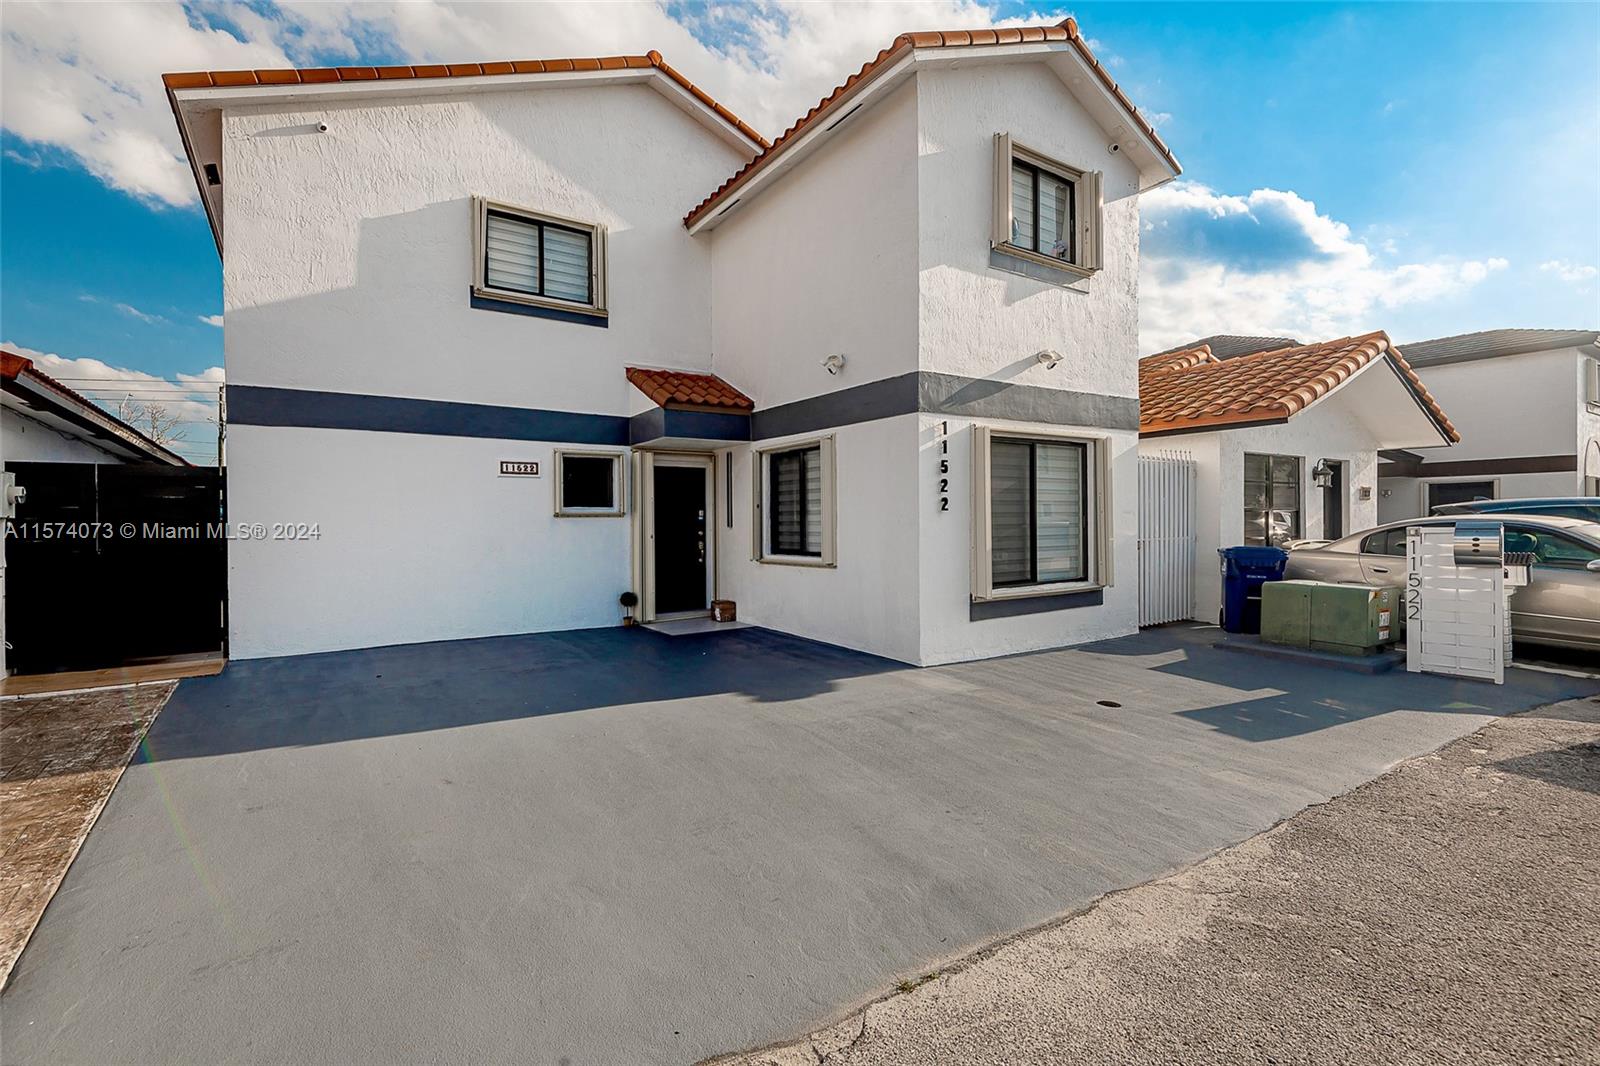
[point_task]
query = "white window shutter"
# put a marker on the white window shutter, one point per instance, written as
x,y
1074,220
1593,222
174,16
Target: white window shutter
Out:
x,y
1091,212
1105,525
1000,226
982,574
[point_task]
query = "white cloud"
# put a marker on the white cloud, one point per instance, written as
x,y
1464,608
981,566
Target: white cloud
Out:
x,y
212,320
126,309
1270,264
1567,271
86,78
192,398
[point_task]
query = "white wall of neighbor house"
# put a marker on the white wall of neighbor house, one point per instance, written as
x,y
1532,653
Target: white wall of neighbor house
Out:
x,y
418,539
824,263
867,600
362,284
1506,407
979,321
24,439
1515,405
1330,430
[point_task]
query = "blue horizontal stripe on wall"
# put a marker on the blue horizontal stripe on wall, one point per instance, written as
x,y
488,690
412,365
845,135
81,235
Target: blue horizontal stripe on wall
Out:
x,y
258,405
688,425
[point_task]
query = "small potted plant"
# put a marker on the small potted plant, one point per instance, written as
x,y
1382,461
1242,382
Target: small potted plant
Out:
x,y
629,601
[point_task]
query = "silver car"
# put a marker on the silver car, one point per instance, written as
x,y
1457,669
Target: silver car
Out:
x,y
1559,606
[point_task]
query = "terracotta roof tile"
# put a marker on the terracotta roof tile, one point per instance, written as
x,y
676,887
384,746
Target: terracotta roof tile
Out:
x,y
210,79
1192,389
666,387
1064,31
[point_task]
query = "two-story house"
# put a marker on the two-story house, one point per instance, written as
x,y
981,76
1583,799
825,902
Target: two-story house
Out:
x,y
1527,402
505,341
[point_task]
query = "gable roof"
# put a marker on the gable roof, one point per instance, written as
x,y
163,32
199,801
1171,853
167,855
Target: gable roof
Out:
x,y
193,94
1493,343
1226,346
42,393
1065,32
212,79
680,388
1192,389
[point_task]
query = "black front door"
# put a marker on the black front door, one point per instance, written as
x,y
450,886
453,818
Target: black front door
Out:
x,y
681,528
1333,504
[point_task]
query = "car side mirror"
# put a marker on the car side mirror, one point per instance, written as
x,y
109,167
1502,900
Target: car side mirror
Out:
x,y
1593,566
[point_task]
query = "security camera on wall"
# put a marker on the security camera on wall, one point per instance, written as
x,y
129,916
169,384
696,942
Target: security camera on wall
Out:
x,y
833,364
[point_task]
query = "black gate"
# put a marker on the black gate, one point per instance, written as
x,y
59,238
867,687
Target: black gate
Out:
x,y
108,565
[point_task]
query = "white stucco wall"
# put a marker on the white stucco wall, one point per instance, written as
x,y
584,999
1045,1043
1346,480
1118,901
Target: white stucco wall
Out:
x,y
419,539
979,321
359,281
23,439
824,263
869,599
1330,430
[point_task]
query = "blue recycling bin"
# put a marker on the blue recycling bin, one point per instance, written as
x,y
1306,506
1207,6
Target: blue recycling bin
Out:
x,y
1244,571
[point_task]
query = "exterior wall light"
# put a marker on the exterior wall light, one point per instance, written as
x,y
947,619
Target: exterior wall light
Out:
x,y
833,364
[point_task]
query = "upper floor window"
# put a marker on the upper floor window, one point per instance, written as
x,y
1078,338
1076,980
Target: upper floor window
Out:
x,y
1045,211
538,259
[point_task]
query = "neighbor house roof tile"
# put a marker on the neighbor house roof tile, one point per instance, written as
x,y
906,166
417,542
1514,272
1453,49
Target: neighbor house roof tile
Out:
x,y
1064,31
211,79
1192,389
666,387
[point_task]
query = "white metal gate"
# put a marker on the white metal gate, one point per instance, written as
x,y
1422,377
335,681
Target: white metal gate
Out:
x,y
1166,537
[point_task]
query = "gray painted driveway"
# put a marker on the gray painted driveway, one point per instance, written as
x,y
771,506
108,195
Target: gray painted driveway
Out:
x,y
616,846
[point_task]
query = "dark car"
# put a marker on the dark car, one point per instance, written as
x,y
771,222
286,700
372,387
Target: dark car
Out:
x,y
1584,507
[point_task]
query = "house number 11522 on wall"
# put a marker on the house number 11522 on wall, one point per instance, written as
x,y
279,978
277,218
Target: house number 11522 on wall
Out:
x,y
944,466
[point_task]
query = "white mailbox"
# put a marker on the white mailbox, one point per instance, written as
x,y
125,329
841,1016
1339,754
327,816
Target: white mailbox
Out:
x,y
1456,619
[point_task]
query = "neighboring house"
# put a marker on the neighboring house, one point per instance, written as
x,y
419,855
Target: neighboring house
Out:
x,y
516,342
1226,346
43,421
1527,402
1285,443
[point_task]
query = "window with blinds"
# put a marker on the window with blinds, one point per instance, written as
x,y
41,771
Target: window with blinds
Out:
x,y
794,506
1045,210
537,258
1038,512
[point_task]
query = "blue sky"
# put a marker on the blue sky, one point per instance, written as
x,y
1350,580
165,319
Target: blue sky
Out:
x,y
1421,168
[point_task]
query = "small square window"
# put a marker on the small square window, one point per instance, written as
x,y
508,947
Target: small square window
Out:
x,y
1038,502
588,483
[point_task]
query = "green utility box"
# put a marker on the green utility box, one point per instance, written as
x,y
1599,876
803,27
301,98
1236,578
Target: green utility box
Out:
x,y
1351,619
1286,613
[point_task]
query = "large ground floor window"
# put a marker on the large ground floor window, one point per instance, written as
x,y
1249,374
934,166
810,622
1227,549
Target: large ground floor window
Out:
x,y
1271,499
1037,520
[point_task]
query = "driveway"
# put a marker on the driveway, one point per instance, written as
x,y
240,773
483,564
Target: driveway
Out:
x,y
620,846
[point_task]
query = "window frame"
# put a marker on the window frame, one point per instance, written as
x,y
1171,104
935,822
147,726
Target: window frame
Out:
x,y
1300,496
761,529
595,305
618,485
1097,530
1087,210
